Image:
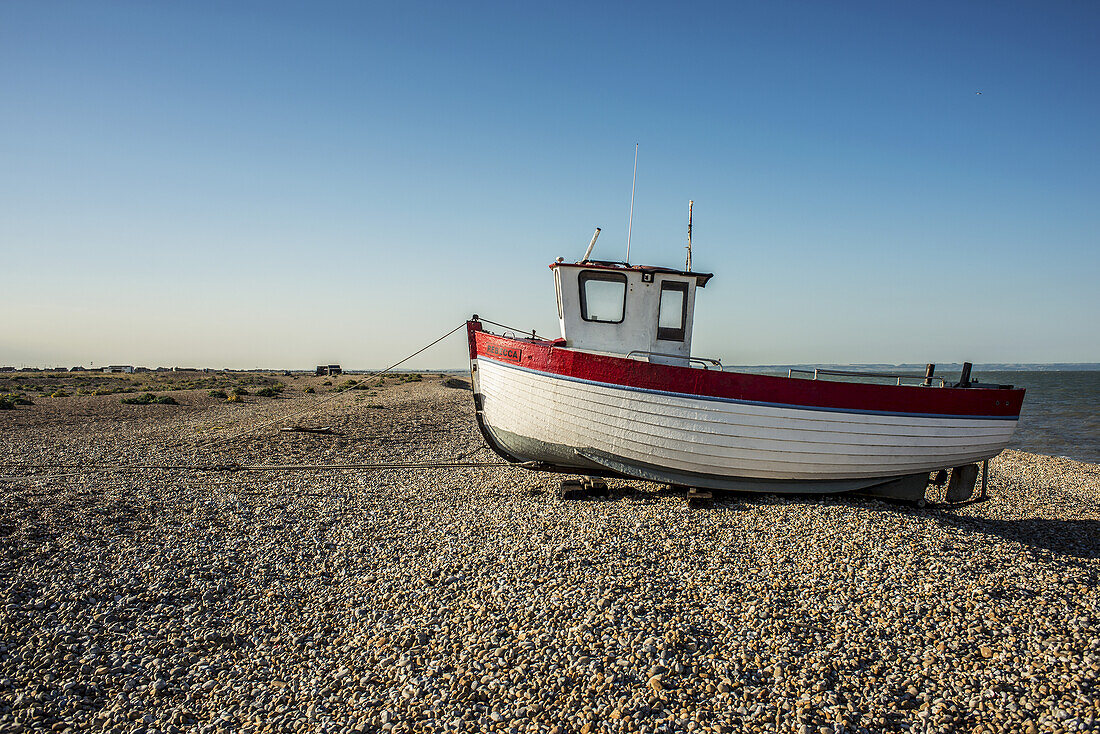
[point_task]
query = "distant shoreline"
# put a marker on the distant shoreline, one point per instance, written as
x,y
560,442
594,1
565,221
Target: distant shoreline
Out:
x,y
947,366
940,368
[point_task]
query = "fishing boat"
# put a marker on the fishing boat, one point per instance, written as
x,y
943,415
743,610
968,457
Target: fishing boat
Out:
x,y
619,394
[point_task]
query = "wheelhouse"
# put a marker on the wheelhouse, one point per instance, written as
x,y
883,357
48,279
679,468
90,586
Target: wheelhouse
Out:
x,y
616,308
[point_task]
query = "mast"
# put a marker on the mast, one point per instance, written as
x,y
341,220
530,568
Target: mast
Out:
x,y
591,245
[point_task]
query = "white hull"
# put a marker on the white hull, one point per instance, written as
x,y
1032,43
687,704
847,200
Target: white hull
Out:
x,y
722,438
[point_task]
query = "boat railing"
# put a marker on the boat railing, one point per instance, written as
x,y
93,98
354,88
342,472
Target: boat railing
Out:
x,y
926,379
706,362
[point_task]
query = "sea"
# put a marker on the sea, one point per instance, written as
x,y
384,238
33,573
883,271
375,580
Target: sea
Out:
x,y
1061,413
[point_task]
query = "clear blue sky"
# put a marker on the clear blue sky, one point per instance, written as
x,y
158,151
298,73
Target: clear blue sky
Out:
x,y
269,184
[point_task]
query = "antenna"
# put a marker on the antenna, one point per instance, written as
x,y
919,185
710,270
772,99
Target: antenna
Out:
x,y
688,266
630,223
591,245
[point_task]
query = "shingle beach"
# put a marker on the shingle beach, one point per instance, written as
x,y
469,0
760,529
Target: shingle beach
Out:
x,y
473,599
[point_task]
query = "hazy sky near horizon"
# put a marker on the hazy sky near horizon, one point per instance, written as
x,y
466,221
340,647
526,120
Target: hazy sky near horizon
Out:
x,y
284,184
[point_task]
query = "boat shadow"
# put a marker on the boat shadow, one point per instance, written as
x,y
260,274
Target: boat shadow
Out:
x,y
1067,538
1073,538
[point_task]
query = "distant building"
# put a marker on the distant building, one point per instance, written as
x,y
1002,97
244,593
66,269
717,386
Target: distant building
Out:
x,y
126,368
328,369
7,369
78,368
141,369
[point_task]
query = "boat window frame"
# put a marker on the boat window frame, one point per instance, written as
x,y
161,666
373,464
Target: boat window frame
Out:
x,y
585,276
665,333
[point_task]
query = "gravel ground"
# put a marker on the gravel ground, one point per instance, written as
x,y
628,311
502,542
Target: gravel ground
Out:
x,y
474,600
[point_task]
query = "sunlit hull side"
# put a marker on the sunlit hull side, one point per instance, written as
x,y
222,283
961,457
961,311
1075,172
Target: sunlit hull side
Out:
x,y
572,411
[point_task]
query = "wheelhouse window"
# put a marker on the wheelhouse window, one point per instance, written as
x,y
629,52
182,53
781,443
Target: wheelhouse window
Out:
x,y
672,315
603,296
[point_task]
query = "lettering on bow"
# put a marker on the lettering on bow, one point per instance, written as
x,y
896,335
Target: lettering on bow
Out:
x,y
506,354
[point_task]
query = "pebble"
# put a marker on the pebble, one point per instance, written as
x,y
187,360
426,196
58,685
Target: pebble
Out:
x,y
473,599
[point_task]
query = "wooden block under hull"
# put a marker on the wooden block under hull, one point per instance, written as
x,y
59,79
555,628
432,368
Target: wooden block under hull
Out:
x,y
699,498
572,489
596,486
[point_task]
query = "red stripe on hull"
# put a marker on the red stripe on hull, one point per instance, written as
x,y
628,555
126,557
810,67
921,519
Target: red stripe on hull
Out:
x,y
544,357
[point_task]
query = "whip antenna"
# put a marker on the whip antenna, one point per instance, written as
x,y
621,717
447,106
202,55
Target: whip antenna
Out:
x,y
688,266
630,222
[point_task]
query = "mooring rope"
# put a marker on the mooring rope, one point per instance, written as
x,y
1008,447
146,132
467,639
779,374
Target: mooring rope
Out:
x,y
509,328
205,468
77,469
314,406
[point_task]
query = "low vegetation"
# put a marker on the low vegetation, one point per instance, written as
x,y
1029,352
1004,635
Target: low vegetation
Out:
x,y
93,382
150,399
9,401
400,377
